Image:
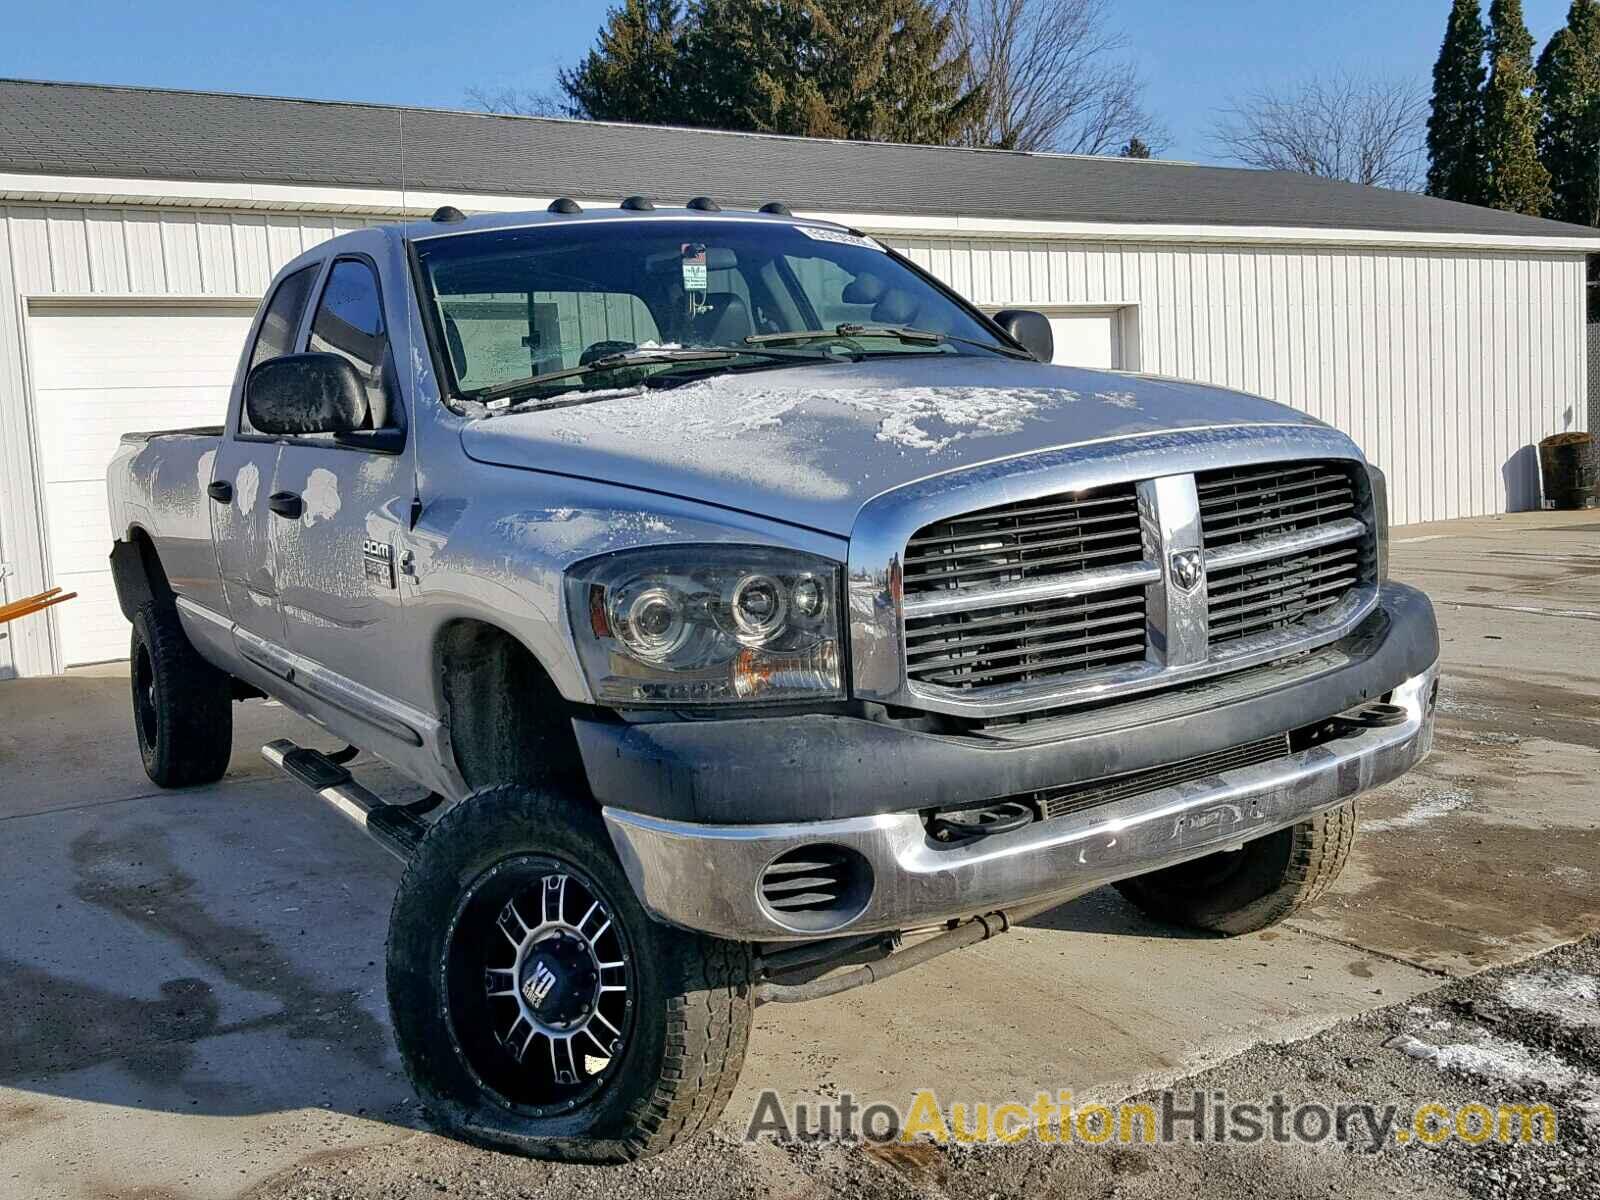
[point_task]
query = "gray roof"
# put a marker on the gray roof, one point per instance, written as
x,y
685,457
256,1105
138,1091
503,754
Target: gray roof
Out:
x,y
81,129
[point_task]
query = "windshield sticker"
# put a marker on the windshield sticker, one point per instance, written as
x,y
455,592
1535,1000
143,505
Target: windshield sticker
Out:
x,y
694,268
839,236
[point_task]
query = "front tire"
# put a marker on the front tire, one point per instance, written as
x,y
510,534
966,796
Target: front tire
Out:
x,y
537,1007
182,705
1241,891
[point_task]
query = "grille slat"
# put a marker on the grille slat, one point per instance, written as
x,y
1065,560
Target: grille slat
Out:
x,y
1241,506
1130,610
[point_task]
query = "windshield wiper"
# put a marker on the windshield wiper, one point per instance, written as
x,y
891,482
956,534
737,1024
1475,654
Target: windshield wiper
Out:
x,y
905,333
606,362
503,394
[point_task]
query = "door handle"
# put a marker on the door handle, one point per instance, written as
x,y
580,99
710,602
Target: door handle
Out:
x,y
286,504
220,490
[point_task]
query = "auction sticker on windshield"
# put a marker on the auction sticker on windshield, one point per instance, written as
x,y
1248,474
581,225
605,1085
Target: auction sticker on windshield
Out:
x,y
839,236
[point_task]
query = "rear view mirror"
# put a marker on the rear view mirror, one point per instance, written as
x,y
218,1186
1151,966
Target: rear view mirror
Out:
x,y
1030,329
305,393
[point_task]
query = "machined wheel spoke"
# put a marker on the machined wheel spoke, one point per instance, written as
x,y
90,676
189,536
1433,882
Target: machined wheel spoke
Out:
x,y
555,888
601,1017
561,1048
584,920
605,1050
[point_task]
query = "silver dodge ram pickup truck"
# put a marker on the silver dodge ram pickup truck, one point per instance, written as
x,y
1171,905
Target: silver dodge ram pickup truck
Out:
x,y
762,619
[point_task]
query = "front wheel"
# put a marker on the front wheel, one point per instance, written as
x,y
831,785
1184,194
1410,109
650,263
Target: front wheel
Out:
x,y
1264,882
537,1007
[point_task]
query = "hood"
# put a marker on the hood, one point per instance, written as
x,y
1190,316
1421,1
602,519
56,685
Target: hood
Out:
x,y
811,445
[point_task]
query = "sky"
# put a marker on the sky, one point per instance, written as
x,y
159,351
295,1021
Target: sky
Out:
x,y
1195,55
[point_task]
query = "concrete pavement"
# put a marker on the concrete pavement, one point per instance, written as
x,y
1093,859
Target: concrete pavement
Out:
x,y
193,988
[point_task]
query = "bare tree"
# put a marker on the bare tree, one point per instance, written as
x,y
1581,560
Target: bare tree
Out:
x,y
1345,126
522,102
1055,75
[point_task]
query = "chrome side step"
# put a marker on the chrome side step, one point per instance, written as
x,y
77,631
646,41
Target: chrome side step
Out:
x,y
396,827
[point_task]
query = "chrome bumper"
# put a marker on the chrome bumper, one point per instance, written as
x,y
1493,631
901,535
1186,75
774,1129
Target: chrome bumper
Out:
x,y
707,877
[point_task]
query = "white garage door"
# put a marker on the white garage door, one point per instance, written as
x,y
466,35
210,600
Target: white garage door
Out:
x,y
99,372
1088,339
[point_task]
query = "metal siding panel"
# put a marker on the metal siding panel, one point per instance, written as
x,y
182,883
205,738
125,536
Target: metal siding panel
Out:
x,y
69,251
108,250
147,264
180,243
219,273
27,650
284,241
251,255
30,251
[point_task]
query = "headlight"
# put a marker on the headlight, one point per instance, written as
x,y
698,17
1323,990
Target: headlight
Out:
x,y
1378,484
690,625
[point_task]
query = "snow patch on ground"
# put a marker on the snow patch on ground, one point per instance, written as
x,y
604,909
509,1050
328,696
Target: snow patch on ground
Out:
x,y
1568,997
1436,803
1508,1062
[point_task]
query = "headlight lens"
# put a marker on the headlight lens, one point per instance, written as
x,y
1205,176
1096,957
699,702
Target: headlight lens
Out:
x,y
692,625
1378,482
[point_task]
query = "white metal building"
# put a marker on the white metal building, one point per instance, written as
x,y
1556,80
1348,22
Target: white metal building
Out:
x,y
138,229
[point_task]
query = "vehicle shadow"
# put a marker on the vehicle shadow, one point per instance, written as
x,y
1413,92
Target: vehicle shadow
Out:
x,y
1106,911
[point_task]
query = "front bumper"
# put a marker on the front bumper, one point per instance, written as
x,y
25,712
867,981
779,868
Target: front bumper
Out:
x,y
707,877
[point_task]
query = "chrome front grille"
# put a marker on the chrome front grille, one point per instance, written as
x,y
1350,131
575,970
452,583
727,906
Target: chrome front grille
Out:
x,y
1118,586
1301,529
970,577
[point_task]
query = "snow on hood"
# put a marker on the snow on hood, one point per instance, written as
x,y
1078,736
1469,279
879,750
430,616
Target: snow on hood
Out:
x,y
811,445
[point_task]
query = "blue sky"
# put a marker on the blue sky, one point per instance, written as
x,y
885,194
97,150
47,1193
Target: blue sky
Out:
x,y
1194,53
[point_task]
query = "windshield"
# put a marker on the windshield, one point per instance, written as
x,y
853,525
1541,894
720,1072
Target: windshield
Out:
x,y
517,304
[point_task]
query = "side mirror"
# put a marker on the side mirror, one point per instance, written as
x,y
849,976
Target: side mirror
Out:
x,y
305,393
1031,329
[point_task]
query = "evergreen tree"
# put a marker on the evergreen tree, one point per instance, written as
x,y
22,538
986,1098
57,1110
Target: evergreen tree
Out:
x,y
1512,115
634,73
1569,141
1455,125
1135,148
866,69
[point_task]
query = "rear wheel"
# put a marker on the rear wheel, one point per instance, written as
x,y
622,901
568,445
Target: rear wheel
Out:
x,y
182,705
1266,881
537,1007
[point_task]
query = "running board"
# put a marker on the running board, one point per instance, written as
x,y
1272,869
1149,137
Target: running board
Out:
x,y
395,827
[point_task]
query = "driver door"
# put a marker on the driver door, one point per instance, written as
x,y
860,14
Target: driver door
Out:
x,y
338,555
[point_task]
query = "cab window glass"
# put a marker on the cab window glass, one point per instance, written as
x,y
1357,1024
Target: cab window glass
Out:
x,y
281,321
349,322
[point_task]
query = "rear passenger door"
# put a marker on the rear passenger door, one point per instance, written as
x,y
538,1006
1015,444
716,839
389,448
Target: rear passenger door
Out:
x,y
338,560
242,475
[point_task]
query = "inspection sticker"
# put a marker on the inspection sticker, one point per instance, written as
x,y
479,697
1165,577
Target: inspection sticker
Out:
x,y
839,236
